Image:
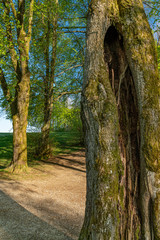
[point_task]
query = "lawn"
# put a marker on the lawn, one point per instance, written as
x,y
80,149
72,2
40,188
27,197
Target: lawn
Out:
x,y
61,142
5,149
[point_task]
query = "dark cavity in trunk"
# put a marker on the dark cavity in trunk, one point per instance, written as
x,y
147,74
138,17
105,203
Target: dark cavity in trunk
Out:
x,y
123,86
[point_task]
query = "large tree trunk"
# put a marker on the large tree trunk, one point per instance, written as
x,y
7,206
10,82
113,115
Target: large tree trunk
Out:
x,y
19,55
19,111
120,111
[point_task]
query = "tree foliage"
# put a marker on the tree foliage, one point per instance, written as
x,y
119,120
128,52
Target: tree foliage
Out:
x,y
69,56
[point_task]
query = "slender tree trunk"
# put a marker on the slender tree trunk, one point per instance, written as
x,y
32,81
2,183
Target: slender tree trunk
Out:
x,y
47,113
49,81
121,117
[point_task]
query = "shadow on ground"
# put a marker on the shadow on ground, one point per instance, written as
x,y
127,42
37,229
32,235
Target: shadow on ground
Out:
x,y
69,161
16,223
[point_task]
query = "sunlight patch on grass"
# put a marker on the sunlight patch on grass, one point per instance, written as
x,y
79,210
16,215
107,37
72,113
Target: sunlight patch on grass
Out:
x,y
61,143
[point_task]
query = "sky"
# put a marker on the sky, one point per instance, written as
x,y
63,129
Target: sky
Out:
x,y
5,125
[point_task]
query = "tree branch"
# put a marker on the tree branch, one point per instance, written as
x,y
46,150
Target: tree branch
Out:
x,y
151,5
4,86
79,43
30,18
73,17
71,27
20,16
66,93
80,65
12,50
73,32
13,9
30,21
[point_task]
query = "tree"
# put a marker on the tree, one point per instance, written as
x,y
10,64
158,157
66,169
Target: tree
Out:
x,y
152,8
121,117
17,27
49,77
67,68
66,114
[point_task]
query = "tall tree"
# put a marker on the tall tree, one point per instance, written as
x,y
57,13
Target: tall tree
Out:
x,y
51,34
121,115
17,25
67,79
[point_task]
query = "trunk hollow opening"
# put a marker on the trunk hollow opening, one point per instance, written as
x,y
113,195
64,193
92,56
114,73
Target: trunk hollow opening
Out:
x,y
123,87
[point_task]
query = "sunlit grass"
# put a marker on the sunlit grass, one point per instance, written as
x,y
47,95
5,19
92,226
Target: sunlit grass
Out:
x,y
6,149
65,142
61,143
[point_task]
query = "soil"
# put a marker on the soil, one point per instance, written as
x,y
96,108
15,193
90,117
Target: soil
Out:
x,y
46,203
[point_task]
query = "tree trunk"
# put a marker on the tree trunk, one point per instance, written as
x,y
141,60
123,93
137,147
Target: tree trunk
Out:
x,y
47,106
49,81
19,55
120,112
19,110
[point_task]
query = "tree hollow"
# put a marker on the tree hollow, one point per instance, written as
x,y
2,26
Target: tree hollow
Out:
x,y
123,87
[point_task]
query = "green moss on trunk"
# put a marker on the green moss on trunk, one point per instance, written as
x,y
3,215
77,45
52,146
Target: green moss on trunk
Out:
x,y
19,116
120,110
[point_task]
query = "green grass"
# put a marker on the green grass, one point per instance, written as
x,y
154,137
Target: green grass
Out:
x,y
65,142
61,142
5,149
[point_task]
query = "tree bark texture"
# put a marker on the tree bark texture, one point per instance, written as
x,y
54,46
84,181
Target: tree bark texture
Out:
x,y
19,110
121,118
19,55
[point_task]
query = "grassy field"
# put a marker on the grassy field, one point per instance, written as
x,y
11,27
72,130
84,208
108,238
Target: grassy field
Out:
x,y
61,142
5,149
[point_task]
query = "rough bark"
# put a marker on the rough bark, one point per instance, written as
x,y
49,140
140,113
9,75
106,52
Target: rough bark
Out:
x,y
19,110
49,81
19,103
120,111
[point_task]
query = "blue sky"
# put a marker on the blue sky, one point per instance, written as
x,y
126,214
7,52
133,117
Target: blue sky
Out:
x,y
5,124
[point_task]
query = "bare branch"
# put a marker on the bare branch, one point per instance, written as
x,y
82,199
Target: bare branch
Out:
x,y
71,27
73,32
73,17
66,93
80,65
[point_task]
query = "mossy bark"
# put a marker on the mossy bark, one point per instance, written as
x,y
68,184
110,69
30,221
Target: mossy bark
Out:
x,y
19,55
19,111
120,111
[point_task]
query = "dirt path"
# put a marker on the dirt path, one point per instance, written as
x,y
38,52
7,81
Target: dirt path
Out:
x,y
47,203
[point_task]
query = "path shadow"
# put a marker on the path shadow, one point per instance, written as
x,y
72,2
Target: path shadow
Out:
x,y
72,161
53,162
16,223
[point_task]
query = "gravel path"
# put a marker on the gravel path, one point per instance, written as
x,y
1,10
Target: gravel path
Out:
x,y
47,203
